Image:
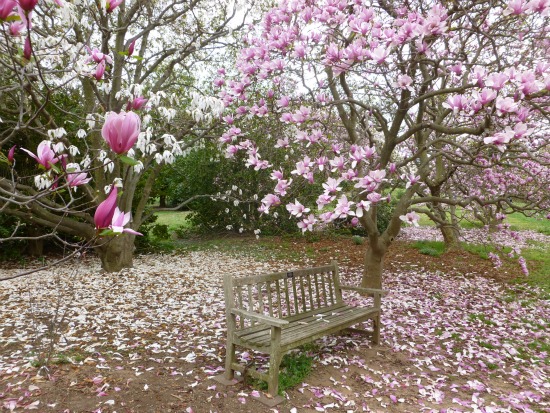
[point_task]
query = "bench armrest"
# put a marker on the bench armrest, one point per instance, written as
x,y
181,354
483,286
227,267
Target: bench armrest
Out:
x,y
261,318
371,291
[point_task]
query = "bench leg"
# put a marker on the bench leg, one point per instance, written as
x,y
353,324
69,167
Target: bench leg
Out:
x,y
273,379
229,360
376,330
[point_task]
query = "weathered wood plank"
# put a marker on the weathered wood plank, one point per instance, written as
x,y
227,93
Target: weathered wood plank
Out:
x,y
279,303
262,318
269,299
261,308
310,292
242,281
295,296
317,293
302,290
287,299
370,291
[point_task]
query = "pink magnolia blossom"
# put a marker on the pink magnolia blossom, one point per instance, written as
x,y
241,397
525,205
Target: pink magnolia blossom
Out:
x,y
98,56
377,175
28,5
11,154
404,82
478,75
514,7
270,200
374,197
99,70
505,105
521,130
456,103
411,180
321,162
131,47
500,139
27,49
539,6
362,206
45,156
6,7
16,28
277,175
119,220
282,186
457,69
343,207
380,54
113,4
324,199
137,103
486,96
307,223
337,163
75,177
297,209
331,186
121,131
410,218
497,80
105,211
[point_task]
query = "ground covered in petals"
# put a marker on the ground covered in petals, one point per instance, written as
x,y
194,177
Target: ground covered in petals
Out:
x,y
455,337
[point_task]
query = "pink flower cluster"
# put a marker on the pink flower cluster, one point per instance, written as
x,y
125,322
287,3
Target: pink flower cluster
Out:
x,y
47,158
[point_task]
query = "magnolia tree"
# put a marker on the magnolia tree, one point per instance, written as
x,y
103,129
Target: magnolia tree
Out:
x,y
93,100
378,96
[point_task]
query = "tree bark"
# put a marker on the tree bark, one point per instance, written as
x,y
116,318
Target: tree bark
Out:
x,y
451,235
117,253
35,247
374,265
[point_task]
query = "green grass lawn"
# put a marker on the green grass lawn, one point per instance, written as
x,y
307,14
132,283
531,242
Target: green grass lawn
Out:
x,y
173,219
521,222
518,222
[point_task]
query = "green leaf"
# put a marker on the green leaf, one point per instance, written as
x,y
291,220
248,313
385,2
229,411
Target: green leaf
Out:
x,y
106,232
123,53
128,161
54,168
13,18
139,58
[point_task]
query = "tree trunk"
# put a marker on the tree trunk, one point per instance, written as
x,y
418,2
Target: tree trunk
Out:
x,y
162,201
451,236
117,253
374,264
35,247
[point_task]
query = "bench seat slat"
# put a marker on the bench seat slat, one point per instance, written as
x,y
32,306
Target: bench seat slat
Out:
x,y
316,326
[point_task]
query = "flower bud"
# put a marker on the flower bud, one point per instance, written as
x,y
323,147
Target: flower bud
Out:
x,y
121,131
105,211
27,49
28,5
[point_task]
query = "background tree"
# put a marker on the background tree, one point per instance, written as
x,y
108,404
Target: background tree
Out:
x,y
380,96
64,68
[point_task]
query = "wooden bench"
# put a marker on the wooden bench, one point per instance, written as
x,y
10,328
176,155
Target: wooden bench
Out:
x,y
277,312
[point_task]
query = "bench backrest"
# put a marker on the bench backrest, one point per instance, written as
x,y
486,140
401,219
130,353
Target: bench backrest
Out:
x,y
284,294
